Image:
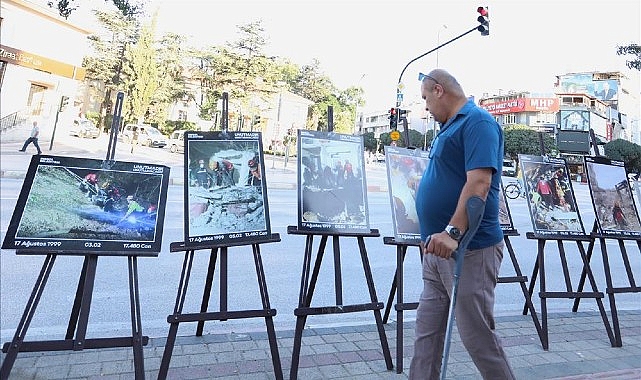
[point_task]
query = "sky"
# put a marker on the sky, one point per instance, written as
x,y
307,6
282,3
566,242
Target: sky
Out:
x,y
367,43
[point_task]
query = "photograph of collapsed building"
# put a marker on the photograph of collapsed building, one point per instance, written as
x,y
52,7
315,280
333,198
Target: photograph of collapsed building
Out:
x,y
78,204
612,198
405,169
550,196
331,183
505,218
226,195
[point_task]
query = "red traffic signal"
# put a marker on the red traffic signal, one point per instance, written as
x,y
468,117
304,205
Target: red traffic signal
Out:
x,y
393,118
484,21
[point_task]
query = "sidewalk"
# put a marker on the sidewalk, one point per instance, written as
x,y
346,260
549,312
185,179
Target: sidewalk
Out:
x,y
579,349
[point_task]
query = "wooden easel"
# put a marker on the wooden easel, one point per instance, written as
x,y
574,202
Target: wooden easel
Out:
x,y
75,338
544,294
521,280
400,306
223,314
610,289
308,284
397,288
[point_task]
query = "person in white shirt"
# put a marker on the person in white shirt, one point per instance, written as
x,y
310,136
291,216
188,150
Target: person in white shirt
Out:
x,y
33,138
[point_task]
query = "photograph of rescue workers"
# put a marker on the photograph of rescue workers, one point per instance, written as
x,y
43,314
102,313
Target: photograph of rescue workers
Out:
x,y
226,194
612,198
405,169
331,182
505,218
550,196
71,202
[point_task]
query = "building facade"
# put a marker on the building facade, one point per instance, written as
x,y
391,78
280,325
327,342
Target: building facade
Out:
x,y
40,60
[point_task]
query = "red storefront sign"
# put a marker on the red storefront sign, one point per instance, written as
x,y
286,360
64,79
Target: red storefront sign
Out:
x,y
547,105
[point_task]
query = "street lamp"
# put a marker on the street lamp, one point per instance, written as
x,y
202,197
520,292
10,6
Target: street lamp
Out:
x,y
438,40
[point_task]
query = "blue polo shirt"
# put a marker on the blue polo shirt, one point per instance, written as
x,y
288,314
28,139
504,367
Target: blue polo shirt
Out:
x,y
472,139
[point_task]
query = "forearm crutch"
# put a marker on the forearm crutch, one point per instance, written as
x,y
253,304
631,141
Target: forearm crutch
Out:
x,y
475,207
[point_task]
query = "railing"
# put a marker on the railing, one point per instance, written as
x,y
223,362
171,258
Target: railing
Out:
x,y
10,121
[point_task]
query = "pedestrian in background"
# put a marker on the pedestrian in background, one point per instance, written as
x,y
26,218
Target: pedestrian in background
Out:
x,y
33,138
466,160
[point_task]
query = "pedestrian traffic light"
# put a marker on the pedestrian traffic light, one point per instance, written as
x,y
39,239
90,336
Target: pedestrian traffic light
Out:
x,y
401,114
393,118
484,21
63,103
256,120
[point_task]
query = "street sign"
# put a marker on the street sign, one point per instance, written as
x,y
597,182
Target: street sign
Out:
x,y
395,135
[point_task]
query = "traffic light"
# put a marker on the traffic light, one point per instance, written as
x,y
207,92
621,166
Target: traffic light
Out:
x,y
256,120
484,21
401,114
393,118
63,103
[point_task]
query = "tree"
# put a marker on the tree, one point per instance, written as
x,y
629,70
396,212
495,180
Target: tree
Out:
x,y
626,151
521,139
105,64
635,51
142,74
127,8
369,142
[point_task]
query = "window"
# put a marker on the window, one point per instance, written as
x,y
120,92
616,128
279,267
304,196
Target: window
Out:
x,y
182,115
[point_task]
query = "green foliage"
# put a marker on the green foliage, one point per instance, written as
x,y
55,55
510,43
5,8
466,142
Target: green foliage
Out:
x,y
635,51
142,73
125,7
521,139
626,151
169,126
369,141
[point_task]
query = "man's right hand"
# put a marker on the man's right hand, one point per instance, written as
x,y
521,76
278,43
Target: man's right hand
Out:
x,y
441,245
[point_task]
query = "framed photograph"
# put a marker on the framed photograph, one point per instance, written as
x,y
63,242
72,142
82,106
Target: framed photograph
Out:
x,y
79,205
225,189
405,168
614,207
505,218
550,196
331,183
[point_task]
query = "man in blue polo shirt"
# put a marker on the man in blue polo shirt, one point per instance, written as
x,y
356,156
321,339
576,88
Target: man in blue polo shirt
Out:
x,y
466,159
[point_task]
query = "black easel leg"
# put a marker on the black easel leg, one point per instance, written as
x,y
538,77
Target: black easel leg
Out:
x,y
85,306
579,288
13,348
526,294
609,289
298,337
530,289
543,296
136,323
269,320
398,282
75,309
400,258
599,301
207,291
172,319
305,298
374,299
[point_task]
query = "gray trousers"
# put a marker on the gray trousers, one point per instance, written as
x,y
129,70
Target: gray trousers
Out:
x,y
474,314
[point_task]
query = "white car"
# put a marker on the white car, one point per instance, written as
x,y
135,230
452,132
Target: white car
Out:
x,y
146,135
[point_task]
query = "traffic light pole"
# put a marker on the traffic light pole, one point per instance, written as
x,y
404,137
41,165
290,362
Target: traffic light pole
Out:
x,y
400,77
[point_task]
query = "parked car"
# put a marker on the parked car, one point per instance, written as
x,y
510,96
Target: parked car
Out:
x,y
509,168
177,141
146,135
84,128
